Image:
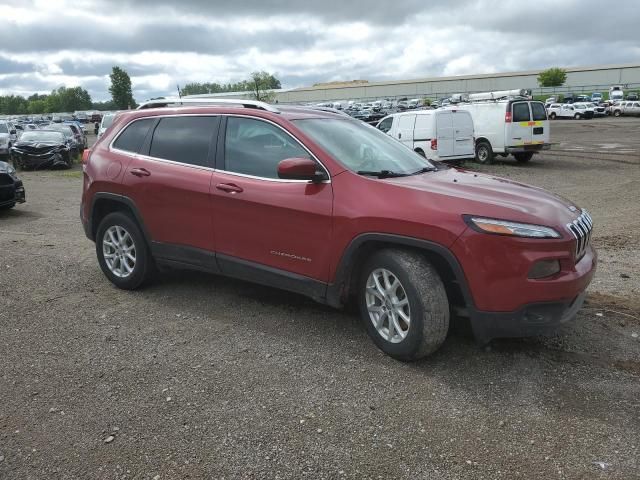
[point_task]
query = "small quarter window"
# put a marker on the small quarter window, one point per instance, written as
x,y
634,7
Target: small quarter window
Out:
x,y
133,136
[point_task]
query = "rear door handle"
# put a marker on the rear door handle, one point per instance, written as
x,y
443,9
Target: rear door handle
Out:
x,y
140,172
229,188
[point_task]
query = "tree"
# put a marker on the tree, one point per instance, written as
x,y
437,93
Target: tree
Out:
x,y
120,89
261,85
552,77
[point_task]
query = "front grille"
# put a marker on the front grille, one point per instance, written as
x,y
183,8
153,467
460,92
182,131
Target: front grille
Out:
x,y
581,229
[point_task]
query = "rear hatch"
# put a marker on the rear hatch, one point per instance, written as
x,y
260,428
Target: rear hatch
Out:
x,y
529,126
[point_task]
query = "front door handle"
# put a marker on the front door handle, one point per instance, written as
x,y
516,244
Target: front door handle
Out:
x,y
140,172
229,188
399,135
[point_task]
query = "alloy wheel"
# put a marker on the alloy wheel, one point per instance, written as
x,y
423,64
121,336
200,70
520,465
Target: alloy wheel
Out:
x,y
119,251
388,305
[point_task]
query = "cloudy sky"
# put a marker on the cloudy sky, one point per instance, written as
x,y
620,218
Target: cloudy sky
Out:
x,y
48,43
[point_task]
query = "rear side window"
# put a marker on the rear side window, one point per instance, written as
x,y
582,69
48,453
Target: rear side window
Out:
x,y
521,112
254,147
538,111
184,139
131,139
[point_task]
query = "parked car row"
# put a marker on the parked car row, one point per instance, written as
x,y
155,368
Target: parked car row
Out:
x,y
43,145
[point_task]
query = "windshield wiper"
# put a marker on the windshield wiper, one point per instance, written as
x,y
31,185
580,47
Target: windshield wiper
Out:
x,y
381,173
424,170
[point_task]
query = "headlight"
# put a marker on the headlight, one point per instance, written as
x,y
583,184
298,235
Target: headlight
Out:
x,y
504,227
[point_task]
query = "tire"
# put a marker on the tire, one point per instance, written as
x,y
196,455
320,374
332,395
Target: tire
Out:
x,y
552,115
577,116
617,113
484,153
523,157
8,207
426,303
420,152
143,267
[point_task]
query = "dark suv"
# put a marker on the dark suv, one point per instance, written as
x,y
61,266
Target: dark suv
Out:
x,y
326,206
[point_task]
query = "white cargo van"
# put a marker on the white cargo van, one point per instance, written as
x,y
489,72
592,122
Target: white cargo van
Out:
x,y
507,122
444,135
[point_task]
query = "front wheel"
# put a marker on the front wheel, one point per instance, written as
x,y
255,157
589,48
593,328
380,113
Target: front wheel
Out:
x,y
484,153
122,252
552,115
617,113
403,304
578,116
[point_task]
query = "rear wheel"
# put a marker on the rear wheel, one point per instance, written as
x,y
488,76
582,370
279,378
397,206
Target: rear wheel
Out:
x,y
523,157
403,304
552,115
617,113
577,116
7,207
484,152
419,151
122,252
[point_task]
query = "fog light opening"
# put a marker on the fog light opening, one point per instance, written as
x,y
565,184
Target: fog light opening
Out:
x,y
544,269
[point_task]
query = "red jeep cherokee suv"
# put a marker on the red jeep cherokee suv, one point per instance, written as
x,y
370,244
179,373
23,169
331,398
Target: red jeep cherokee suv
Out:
x,y
320,204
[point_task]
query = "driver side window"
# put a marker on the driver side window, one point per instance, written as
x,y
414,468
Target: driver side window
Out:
x,y
385,125
255,147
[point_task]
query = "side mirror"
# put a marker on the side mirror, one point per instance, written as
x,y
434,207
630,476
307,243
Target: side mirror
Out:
x,y
12,132
300,169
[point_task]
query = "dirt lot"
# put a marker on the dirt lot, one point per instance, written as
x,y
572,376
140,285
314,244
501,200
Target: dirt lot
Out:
x,y
205,377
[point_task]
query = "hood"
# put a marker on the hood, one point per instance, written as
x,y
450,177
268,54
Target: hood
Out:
x,y
473,193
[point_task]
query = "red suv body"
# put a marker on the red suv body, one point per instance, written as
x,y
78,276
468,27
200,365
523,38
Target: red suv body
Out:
x,y
308,201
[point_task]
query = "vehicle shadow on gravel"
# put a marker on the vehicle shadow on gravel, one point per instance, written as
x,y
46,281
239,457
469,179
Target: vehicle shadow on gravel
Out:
x,y
588,341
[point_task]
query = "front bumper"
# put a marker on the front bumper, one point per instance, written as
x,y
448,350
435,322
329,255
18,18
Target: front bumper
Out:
x,y
528,148
12,193
531,320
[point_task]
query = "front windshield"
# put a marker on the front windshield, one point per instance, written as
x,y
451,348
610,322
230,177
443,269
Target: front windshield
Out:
x,y
580,107
43,136
66,131
360,147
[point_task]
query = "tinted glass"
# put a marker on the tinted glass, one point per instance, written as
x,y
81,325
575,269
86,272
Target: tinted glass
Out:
x,y
4,128
184,139
538,111
521,112
254,147
133,136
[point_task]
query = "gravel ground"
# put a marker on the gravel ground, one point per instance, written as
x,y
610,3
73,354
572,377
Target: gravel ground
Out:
x,y
204,377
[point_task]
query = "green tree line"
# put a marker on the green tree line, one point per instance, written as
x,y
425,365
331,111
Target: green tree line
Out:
x,y
257,84
65,99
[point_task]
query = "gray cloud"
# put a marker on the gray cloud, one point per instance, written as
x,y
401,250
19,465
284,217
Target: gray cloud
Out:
x,y
307,42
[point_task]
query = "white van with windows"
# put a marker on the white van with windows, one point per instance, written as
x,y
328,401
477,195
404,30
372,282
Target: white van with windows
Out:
x,y
507,122
443,135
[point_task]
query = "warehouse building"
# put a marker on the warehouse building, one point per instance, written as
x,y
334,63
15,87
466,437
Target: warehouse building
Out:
x,y
579,80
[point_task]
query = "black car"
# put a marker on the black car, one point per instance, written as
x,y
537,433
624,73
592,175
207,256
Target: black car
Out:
x,y
42,149
11,188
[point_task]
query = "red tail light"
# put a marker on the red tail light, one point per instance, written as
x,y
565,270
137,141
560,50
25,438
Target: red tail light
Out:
x,y
507,117
434,144
85,156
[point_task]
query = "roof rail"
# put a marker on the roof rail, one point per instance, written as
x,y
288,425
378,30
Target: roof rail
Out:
x,y
177,101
